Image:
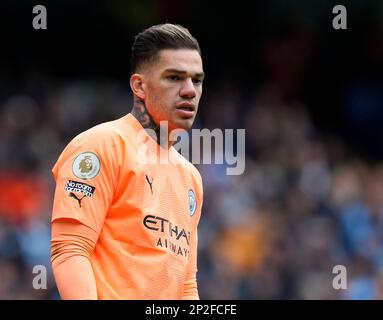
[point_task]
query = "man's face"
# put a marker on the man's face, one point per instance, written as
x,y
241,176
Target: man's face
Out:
x,y
173,87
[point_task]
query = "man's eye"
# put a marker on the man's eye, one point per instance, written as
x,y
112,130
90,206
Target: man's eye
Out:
x,y
197,81
174,78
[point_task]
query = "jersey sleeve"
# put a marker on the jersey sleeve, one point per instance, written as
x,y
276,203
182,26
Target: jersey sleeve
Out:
x,y
71,247
86,175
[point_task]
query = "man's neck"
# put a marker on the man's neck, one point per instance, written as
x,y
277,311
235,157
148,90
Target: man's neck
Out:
x,y
140,112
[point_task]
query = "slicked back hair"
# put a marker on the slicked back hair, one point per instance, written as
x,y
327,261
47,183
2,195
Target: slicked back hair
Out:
x,y
148,43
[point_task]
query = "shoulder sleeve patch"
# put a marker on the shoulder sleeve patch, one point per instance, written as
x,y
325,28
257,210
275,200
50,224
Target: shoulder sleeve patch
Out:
x,y
86,165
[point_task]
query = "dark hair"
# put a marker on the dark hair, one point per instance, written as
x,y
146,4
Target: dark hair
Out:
x,y
149,42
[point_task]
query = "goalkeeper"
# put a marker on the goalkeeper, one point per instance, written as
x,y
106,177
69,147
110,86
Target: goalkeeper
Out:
x,y
123,228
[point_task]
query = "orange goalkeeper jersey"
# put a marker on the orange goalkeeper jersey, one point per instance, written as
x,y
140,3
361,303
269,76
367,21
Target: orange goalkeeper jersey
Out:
x,y
145,212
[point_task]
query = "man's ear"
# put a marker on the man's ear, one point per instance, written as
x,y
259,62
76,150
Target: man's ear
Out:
x,y
136,83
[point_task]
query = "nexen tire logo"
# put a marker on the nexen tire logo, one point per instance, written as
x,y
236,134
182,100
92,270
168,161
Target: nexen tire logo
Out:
x,y
79,187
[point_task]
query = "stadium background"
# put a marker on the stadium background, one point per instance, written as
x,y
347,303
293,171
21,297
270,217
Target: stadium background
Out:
x,y
311,101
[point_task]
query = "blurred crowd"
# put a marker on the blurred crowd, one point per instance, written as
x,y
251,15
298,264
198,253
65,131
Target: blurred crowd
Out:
x,y
303,205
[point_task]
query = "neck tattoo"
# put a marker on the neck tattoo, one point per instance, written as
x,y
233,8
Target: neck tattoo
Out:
x,y
140,112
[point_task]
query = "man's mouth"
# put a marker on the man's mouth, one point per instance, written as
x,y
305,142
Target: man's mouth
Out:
x,y
186,106
185,110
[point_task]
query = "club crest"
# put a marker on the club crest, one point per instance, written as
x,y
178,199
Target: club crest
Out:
x,y
192,203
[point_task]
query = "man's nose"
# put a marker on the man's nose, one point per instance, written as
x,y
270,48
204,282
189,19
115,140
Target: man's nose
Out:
x,y
188,89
